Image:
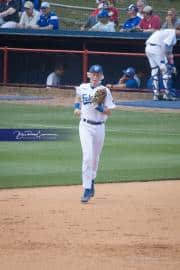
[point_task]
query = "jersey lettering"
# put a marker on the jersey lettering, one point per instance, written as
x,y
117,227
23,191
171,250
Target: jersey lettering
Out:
x,y
86,99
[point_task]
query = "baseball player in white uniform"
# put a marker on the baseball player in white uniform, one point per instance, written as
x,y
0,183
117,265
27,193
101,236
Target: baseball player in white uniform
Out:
x,y
159,47
91,127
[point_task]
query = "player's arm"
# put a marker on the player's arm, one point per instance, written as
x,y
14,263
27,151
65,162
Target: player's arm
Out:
x,y
77,106
107,111
102,109
7,12
120,85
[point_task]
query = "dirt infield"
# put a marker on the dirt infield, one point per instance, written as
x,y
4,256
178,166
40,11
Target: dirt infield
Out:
x,y
65,97
126,226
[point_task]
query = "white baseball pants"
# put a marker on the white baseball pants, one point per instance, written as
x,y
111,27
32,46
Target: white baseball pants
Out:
x,y
92,140
155,55
157,60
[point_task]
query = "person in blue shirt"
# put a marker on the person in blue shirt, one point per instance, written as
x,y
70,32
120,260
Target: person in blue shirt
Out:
x,y
133,21
128,80
48,19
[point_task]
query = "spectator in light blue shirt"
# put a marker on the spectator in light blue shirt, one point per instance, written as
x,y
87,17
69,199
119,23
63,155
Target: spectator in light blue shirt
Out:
x,y
131,23
48,19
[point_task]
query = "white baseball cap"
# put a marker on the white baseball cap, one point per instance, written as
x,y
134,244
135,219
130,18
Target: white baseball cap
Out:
x,y
45,5
147,9
28,4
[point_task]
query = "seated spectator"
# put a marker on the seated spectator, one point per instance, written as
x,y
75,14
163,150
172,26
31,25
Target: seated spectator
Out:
x,y
54,79
140,5
29,17
128,80
93,18
131,23
104,24
36,3
113,12
9,13
150,22
48,19
171,19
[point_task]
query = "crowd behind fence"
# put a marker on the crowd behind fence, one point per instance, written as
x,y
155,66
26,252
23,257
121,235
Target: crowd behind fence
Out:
x,y
73,17
54,15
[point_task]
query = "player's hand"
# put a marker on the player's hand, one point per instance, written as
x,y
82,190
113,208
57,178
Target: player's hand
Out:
x,y
123,79
77,112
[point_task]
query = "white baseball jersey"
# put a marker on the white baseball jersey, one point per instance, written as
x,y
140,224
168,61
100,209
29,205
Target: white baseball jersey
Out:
x,y
100,27
163,37
88,111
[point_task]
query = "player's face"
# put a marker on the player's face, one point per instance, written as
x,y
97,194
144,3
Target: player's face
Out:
x,y
95,78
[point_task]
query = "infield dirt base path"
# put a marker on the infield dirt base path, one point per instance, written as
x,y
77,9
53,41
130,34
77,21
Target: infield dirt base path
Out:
x,y
125,226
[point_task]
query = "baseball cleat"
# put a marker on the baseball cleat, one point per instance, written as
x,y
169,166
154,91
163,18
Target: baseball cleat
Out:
x,y
92,189
86,196
168,97
155,97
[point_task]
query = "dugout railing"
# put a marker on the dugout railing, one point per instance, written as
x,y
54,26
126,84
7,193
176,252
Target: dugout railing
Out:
x,y
30,67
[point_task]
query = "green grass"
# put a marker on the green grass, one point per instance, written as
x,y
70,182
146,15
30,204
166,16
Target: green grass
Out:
x,y
139,146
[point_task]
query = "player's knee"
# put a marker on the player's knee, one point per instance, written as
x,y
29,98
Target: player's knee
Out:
x,y
165,76
163,68
154,72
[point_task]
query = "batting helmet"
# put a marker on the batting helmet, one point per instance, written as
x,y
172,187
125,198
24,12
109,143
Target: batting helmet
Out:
x,y
96,69
130,72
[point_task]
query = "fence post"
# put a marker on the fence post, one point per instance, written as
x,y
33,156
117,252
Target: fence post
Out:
x,y
85,63
5,69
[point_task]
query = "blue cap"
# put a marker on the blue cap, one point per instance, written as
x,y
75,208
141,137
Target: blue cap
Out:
x,y
103,13
130,72
96,69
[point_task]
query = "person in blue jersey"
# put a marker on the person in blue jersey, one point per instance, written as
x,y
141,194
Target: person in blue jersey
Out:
x,y
133,21
128,80
48,19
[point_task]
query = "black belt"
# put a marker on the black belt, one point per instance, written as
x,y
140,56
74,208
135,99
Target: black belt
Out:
x,y
152,44
93,122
